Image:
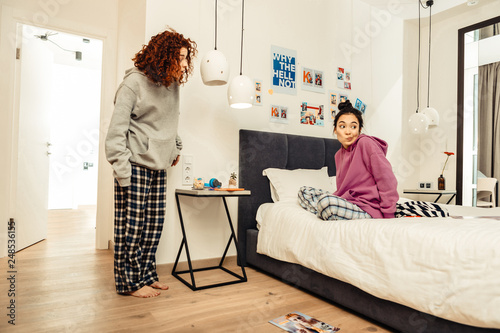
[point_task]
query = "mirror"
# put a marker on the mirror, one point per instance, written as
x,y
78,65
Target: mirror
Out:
x,y
478,46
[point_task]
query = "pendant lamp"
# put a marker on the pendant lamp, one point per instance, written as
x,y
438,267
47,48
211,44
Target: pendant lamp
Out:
x,y
214,68
241,91
420,122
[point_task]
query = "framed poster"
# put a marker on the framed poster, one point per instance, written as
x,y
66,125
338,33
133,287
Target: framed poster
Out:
x,y
283,70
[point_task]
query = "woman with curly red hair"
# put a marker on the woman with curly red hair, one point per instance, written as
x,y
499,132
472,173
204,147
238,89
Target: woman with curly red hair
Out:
x,y
141,143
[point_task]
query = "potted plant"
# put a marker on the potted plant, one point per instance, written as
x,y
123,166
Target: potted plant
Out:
x,y
232,180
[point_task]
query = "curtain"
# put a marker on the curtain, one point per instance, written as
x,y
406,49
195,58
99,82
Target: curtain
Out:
x,y
489,120
489,31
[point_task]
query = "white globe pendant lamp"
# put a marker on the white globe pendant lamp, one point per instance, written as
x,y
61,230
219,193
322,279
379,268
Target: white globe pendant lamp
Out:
x,y
214,68
241,91
421,121
432,114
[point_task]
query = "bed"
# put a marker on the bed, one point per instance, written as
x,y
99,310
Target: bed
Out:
x,y
380,288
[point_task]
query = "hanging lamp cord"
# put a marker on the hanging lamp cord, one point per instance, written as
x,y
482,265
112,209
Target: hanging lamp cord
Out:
x,y
429,4
216,24
418,59
242,25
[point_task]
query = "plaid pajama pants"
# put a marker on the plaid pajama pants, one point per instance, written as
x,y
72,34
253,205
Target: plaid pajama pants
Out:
x,y
139,216
329,207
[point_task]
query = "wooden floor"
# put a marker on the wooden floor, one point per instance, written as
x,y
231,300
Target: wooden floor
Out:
x,y
64,285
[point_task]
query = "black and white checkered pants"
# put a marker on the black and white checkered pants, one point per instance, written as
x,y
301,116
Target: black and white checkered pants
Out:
x,y
139,216
329,207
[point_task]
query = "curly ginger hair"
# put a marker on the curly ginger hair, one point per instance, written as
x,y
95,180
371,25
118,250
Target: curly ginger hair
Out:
x,y
159,59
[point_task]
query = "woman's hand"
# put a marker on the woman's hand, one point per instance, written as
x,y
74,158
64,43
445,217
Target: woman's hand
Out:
x,y
174,163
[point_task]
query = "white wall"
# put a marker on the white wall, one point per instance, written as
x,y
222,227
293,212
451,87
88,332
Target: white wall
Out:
x,y
425,153
322,33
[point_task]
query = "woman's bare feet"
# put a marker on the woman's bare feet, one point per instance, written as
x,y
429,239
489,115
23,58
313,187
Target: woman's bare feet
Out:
x,y
159,285
145,292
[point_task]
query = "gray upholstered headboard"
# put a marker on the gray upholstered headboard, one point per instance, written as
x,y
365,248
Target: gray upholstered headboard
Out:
x,y
261,150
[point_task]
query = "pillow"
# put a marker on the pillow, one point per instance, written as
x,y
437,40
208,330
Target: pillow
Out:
x,y
333,181
285,184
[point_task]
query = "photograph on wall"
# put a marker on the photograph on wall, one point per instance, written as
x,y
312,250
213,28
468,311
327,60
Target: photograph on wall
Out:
x,y
343,98
258,93
360,105
334,103
318,79
312,80
279,114
343,78
307,77
283,70
312,114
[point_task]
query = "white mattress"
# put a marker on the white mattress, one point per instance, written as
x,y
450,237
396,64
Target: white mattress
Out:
x,y
447,267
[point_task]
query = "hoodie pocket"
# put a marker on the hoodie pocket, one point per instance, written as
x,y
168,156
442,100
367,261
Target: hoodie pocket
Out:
x,y
158,154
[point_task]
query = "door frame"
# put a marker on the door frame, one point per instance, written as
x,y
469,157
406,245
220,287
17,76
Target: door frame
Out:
x,y
460,101
11,18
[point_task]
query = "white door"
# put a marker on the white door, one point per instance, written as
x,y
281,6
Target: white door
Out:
x,y
33,145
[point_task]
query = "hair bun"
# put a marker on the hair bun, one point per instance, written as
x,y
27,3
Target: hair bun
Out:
x,y
347,104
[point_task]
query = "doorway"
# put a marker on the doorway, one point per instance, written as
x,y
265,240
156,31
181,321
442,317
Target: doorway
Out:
x,y
60,87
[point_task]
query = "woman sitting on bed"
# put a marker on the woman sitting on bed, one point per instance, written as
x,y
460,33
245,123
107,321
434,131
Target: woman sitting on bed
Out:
x,y
366,185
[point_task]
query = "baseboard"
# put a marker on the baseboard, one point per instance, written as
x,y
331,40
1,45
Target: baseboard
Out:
x,y
111,245
182,265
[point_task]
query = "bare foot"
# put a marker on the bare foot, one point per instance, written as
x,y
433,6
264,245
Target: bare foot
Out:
x,y
145,292
159,285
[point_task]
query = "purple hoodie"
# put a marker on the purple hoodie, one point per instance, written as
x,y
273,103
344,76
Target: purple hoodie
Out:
x,y
365,177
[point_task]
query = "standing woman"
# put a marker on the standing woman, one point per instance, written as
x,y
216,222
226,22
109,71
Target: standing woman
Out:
x,y
142,142
366,185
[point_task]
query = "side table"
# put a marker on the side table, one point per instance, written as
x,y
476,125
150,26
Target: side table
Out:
x,y
184,243
439,193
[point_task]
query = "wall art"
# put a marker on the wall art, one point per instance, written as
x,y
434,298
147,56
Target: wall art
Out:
x,y
283,70
279,114
312,114
313,80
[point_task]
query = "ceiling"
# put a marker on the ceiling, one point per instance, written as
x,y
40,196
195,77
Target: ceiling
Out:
x,y
407,9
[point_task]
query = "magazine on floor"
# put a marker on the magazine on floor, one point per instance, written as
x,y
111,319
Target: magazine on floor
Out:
x,y
301,323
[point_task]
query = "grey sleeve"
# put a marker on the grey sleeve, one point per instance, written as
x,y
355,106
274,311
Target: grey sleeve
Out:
x,y
117,153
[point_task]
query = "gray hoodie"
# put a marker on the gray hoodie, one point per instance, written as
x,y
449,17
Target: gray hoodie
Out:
x,y
143,128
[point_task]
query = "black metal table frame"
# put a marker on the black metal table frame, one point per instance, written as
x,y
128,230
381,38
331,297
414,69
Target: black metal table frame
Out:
x,y
184,243
433,193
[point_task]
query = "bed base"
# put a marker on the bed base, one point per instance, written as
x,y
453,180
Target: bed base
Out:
x,y
260,150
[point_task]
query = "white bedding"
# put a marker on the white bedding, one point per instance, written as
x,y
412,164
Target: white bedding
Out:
x,y
447,267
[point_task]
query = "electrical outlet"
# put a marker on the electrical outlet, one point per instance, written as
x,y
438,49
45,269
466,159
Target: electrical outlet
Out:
x,y
187,169
424,185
